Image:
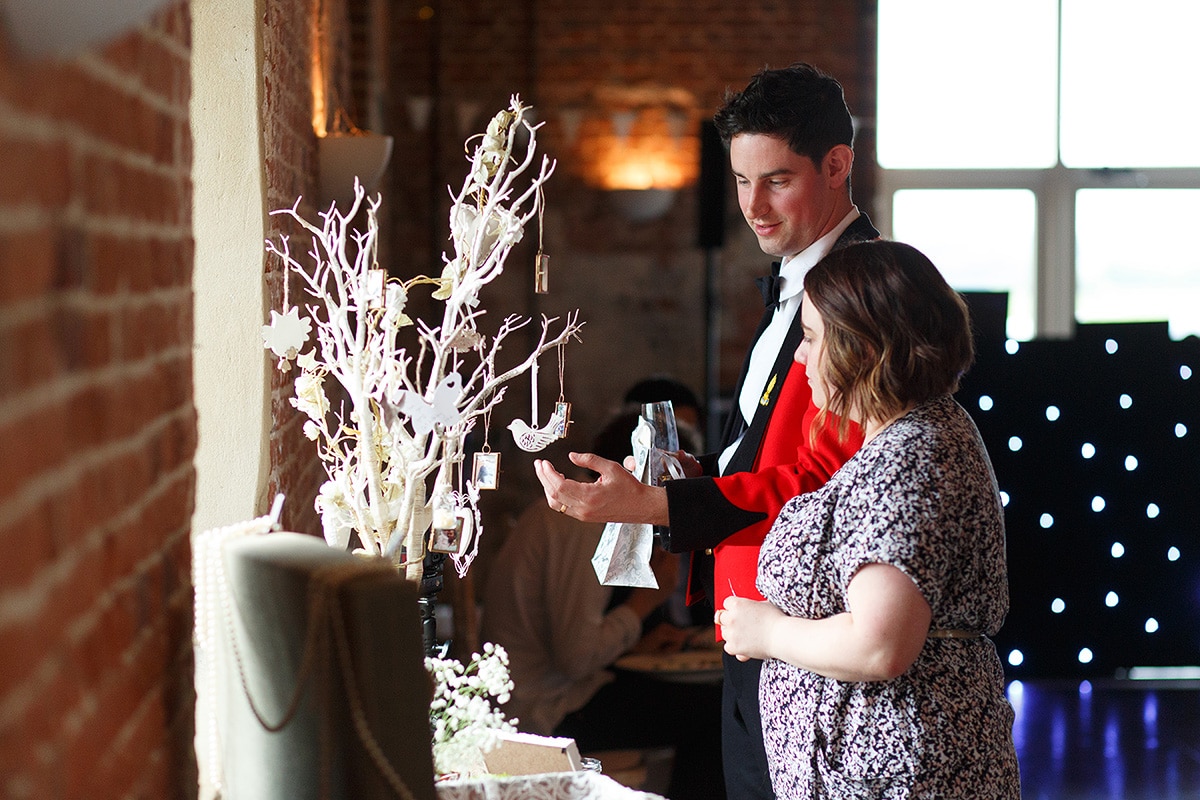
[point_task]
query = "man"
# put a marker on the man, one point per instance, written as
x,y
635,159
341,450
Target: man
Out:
x,y
790,139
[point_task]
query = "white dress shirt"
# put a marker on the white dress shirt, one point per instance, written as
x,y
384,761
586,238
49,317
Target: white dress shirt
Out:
x,y
766,349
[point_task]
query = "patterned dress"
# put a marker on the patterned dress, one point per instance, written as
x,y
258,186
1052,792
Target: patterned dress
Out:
x,y
922,497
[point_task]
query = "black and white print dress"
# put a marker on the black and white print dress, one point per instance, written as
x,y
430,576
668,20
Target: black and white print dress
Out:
x,y
920,496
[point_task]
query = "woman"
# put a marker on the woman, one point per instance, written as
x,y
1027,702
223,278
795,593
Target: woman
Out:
x,y
883,586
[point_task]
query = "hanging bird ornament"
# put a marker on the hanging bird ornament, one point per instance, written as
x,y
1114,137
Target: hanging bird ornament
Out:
x,y
443,408
528,436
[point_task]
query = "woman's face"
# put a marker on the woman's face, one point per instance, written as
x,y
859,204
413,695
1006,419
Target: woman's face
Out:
x,y
810,352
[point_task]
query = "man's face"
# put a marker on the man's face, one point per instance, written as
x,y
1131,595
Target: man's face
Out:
x,y
788,201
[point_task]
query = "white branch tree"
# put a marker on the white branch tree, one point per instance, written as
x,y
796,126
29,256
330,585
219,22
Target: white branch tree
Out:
x,y
409,411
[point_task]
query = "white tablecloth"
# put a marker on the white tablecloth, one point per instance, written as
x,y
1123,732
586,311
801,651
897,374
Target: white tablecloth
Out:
x,y
549,786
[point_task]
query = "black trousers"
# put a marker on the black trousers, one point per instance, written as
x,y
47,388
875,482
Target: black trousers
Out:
x,y
745,758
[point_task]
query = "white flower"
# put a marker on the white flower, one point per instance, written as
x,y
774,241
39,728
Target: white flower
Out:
x,y
287,333
337,518
463,721
307,361
310,396
397,298
311,431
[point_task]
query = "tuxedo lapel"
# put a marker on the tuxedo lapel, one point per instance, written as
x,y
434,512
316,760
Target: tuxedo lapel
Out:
x,y
744,457
735,424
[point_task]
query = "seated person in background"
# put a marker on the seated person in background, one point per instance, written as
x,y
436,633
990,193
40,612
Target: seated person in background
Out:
x,y
563,630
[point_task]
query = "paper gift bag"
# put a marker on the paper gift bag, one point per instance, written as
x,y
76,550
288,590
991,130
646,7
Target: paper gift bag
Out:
x,y
623,556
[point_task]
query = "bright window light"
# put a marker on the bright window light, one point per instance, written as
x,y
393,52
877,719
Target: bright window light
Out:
x,y
1123,276
937,73
945,225
1041,153
1105,110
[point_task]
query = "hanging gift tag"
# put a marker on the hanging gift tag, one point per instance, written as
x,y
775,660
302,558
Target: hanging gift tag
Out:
x,y
449,540
446,528
541,273
376,287
485,470
562,412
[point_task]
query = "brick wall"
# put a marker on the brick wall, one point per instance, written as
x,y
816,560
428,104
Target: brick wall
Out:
x,y
289,146
97,424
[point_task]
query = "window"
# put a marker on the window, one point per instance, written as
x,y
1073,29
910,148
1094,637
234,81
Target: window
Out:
x,y
1050,149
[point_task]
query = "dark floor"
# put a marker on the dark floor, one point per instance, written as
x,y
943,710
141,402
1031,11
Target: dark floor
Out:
x,y
1108,740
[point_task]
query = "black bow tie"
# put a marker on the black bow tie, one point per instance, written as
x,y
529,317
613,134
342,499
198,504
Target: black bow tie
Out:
x,y
769,286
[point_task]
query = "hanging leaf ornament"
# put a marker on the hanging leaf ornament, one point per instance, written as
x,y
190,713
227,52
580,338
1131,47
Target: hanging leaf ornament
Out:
x,y
286,334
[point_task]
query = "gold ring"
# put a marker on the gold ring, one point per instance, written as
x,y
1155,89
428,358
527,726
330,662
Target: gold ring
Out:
x,y
562,509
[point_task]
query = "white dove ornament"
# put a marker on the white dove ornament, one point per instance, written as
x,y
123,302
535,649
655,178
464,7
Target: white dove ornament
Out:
x,y
531,440
528,436
443,409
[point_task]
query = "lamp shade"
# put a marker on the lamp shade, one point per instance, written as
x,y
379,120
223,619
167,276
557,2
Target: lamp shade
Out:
x,y
343,157
642,205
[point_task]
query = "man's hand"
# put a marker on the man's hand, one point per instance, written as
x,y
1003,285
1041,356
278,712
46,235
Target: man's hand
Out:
x,y
616,496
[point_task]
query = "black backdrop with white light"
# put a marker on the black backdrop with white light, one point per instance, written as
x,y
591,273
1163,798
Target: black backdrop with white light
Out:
x,y
1096,446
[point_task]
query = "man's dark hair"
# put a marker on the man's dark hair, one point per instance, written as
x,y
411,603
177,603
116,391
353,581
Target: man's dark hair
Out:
x,y
799,104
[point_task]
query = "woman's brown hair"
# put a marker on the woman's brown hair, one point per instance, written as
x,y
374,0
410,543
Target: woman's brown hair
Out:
x,y
896,334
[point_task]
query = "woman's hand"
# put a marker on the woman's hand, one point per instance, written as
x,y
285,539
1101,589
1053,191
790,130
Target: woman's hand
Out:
x,y
747,627
616,496
878,640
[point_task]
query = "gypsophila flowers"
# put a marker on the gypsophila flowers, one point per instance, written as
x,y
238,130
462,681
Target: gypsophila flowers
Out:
x,y
465,724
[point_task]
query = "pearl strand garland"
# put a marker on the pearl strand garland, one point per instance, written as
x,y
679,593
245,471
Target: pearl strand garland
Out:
x,y
208,581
